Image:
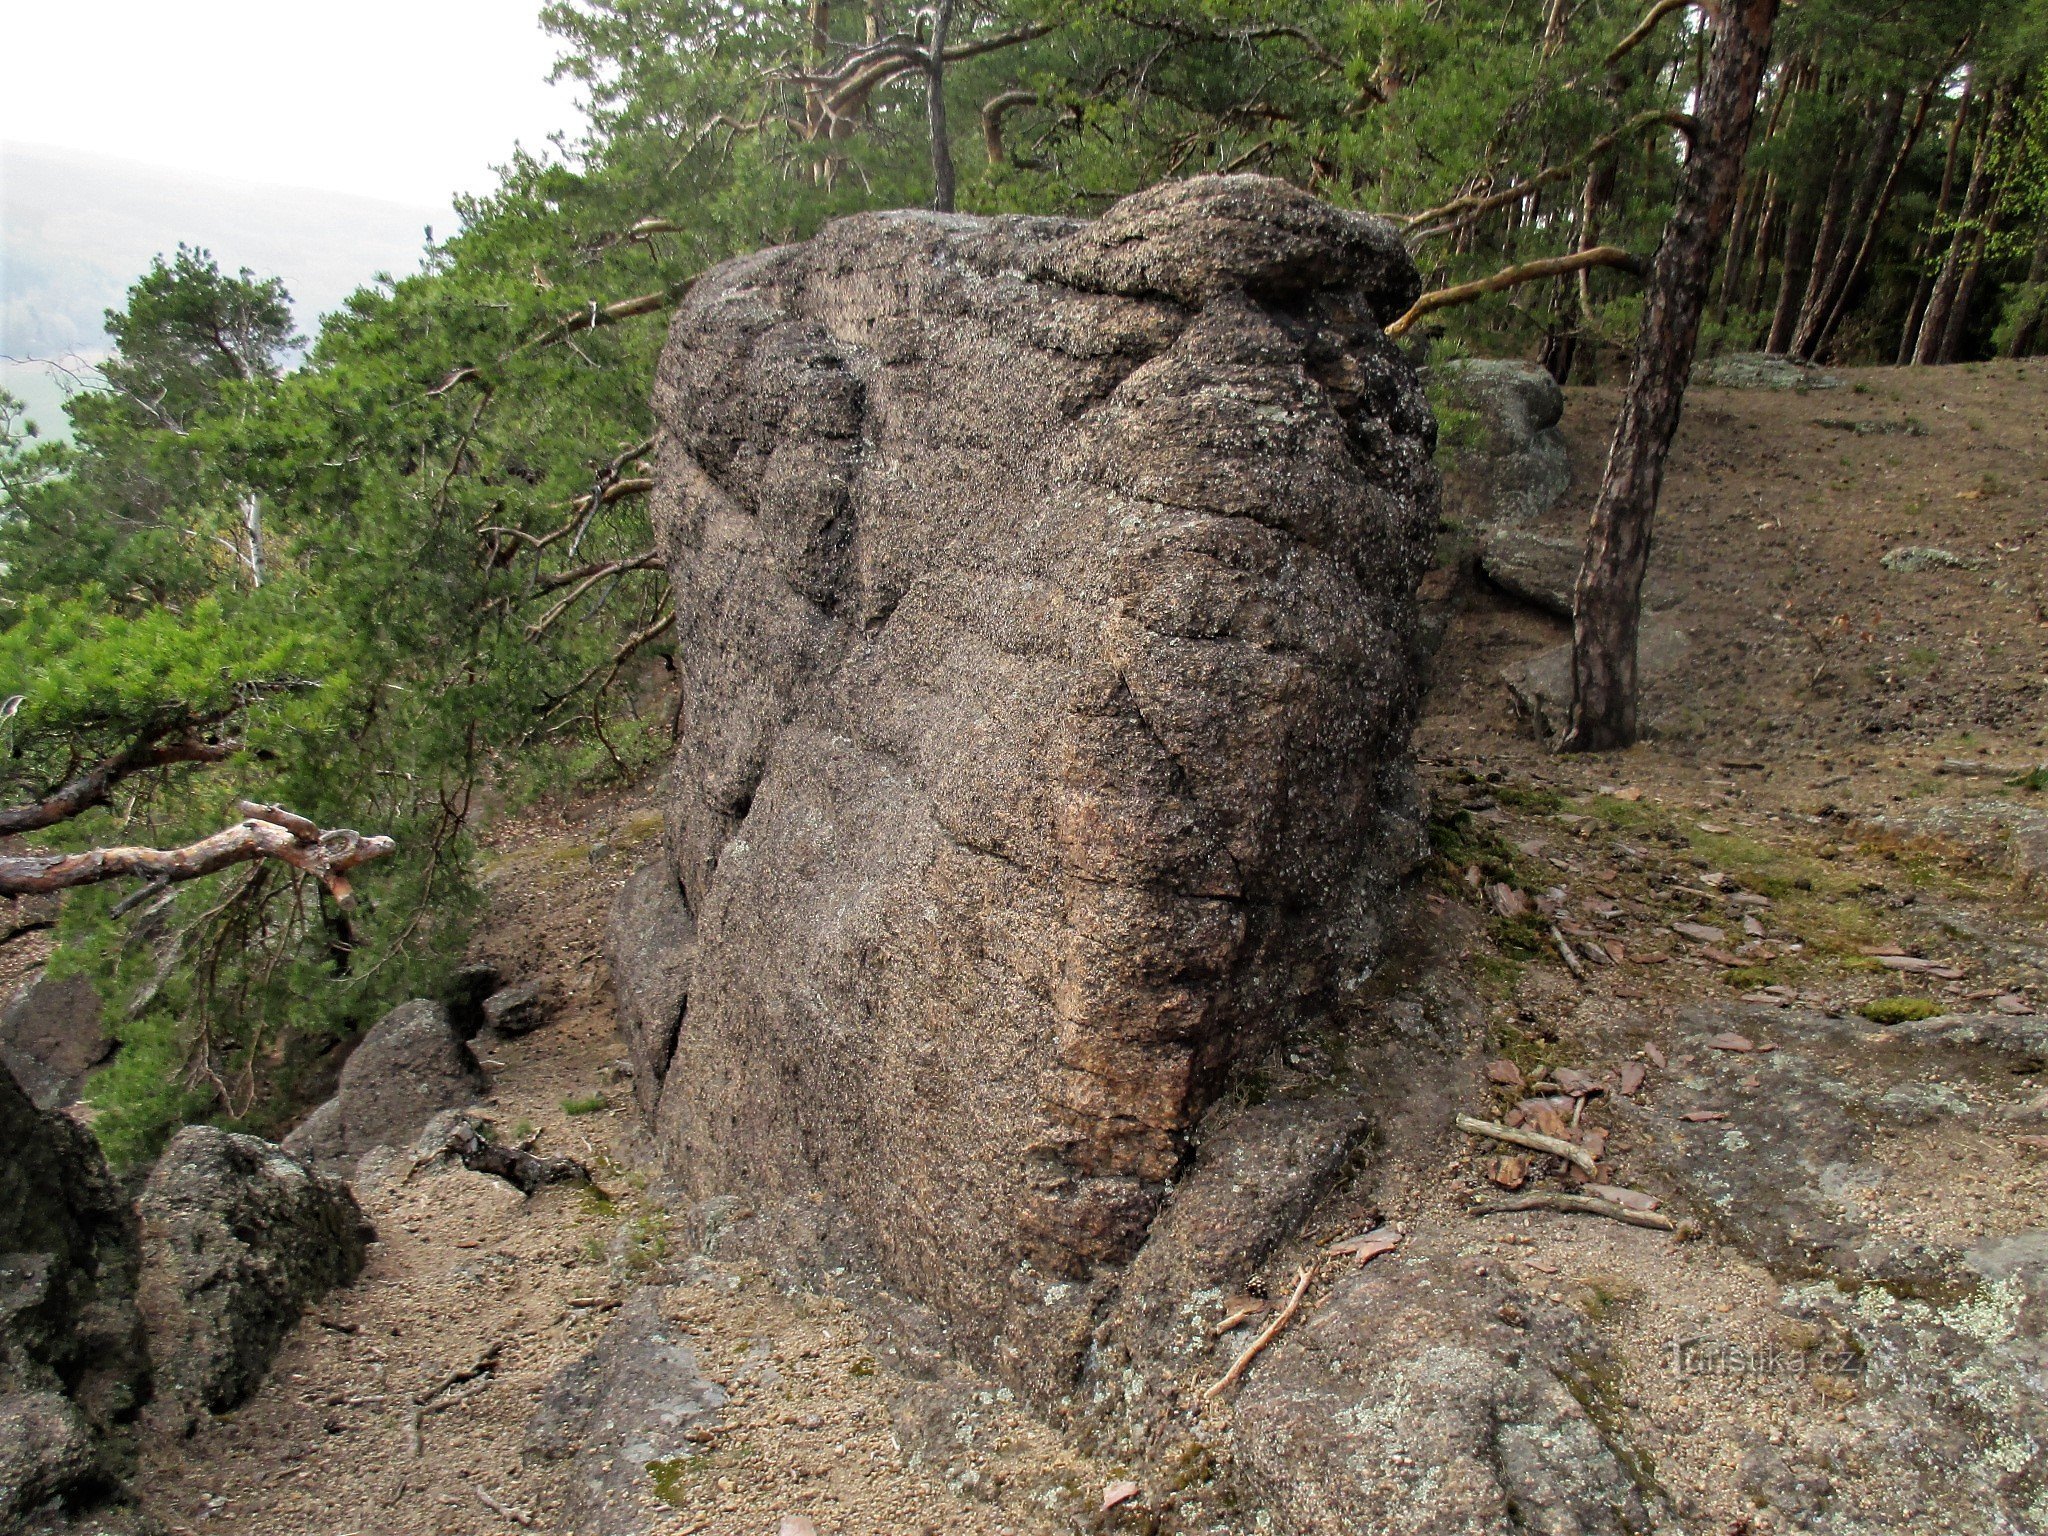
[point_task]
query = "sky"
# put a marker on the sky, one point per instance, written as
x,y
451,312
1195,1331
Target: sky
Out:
x,y
408,101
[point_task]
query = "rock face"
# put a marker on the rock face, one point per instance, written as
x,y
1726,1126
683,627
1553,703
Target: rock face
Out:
x,y
238,1238
1046,634
1423,1400
412,1064
1519,468
57,1025
71,1352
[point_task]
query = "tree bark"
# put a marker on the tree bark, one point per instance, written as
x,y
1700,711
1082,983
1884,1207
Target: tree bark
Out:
x,y
267,831
1608,600
1792,268
1845,289
2021,342
1825,241
935,110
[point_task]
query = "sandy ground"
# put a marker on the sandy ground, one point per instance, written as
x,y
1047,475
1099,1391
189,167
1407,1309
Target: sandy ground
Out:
x,y
1822,694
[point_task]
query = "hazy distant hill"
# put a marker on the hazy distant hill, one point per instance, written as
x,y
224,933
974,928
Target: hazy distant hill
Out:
x,y
77,229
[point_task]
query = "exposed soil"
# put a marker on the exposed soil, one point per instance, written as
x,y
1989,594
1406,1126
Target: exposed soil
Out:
x,y
1793,778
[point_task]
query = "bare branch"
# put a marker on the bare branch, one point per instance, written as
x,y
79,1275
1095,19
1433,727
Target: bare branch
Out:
x,y
1643,29
1509,277
92,788
992,113
1463,210
267,831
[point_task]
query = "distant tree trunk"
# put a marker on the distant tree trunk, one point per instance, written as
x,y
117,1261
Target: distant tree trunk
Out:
x,y
1792,268
1941,326
1608,600
1872,191
2021,342
1825,241
1844,290
1923,249
935,110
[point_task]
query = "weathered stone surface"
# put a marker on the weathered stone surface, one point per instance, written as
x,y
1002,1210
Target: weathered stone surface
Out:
x,y
1045,608
651,943
1541,687
1541,569
631,1416
1762,370
238,1239
411,1065
1421,1399
1794,1176
1519,469
71,1353
47,1453
59,1026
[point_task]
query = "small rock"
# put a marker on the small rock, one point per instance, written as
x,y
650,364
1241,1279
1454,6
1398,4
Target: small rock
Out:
x,y
1924,557
515,1010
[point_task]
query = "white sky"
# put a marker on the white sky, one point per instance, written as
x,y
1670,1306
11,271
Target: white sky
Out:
x,y
405,100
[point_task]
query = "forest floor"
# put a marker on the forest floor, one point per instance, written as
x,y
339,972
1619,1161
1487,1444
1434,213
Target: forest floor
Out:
x,y
1797,755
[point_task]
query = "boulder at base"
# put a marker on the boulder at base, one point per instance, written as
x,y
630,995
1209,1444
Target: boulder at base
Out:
x,y
1046,630
1540,688
238,1239
412,1064
1519,468
72,1364
651,943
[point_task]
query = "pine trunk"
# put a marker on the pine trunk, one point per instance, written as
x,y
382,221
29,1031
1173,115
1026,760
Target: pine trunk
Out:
x,y
1608,600
1835,277
1923,248
1792,268
1941,326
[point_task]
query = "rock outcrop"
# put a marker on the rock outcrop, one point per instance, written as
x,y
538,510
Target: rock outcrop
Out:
x,y
651,943
1045,600
413,1064
72,1364
238,1239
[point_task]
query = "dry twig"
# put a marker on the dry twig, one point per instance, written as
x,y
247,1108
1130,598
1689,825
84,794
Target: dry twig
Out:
x,y
1266,1335
1583,1205
1535,1141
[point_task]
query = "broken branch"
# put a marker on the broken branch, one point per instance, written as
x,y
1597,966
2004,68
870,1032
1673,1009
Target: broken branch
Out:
x,y
1643,29
267,831
1535,1141
1266,1335
1462,210
1584,1205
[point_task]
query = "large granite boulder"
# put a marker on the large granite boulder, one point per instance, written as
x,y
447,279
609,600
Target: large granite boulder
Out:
x,y
413,1063
72,1364
59,1028
238,1239
1045,600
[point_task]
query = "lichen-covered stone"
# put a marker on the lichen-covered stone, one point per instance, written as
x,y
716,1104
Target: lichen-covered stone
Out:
x,y
1422,1399
238,1239
1045,601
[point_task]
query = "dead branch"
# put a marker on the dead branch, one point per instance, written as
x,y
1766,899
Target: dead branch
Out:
x,y
1463,210
1643,29
1509,277
266,832
1583,1205
607,314
1266,1335
94,786
1535,1141
1572,962
618,659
